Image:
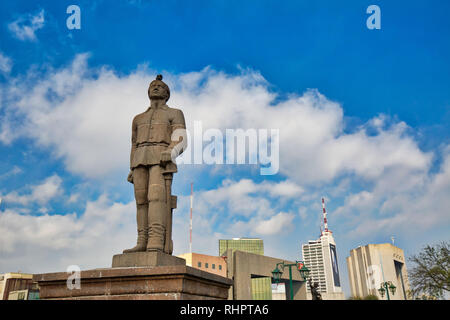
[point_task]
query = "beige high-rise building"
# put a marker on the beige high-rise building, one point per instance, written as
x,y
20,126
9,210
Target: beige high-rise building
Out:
x,y
373,264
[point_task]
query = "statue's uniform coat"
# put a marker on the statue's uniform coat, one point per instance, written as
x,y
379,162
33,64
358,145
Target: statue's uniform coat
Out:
x,y
151,135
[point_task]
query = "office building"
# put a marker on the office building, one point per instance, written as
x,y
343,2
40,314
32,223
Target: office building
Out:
x,y
13,282
251,245
212,264
261,287
320,257
370,265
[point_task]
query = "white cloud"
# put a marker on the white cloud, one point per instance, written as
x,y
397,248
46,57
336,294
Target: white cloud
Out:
x,y
361,199
41,193
303,212
5,63
88,123
53,242
245,197
234,209
25,27
285,189
276,224
401,203
14,171
73,198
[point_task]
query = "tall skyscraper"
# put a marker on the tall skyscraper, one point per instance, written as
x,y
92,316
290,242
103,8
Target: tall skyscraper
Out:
x,y
320,256
370,265
261,287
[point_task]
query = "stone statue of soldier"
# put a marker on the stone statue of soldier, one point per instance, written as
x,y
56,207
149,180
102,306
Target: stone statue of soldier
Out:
x,y
152,166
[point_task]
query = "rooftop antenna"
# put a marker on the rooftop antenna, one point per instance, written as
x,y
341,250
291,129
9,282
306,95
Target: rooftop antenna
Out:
x,y
325,222
321,225
190,221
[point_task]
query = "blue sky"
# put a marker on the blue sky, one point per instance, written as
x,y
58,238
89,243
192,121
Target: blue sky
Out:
x,y
363,116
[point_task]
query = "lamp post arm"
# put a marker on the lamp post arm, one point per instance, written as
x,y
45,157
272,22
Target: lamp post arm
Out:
x,y
290,282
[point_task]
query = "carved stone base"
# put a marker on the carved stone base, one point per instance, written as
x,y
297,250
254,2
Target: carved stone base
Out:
x,y
146,259
145,283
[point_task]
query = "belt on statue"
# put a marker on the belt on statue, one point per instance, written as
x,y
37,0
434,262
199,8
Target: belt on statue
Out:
x,y
145,144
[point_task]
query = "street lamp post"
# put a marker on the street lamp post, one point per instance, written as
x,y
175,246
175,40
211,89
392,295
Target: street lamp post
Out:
x,y
304,273
385,287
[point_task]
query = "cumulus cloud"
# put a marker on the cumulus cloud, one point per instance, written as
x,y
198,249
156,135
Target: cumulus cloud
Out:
x,y
85,115
5,63
53,242
420,207
240,208
82,118
41,193
275,224
14,171
245,197
25,27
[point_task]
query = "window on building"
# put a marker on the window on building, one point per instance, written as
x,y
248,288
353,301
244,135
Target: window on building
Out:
x,y
213,266
206,264
199,264
220,267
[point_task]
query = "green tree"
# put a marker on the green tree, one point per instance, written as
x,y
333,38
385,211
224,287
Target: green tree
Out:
x,y
430,275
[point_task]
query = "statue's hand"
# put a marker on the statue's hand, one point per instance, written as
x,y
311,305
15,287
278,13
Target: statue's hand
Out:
x,y
130,177
166,156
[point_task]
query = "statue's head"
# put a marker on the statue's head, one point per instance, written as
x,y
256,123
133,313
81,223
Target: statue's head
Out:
x,y
158,89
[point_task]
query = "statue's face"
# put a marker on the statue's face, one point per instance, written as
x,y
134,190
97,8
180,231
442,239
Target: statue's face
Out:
x,y
157,90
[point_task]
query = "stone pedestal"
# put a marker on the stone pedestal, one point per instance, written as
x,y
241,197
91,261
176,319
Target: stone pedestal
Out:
x,y
146,259
176,282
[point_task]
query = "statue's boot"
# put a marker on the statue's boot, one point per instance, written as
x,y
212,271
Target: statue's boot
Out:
x,y
157,227
142,229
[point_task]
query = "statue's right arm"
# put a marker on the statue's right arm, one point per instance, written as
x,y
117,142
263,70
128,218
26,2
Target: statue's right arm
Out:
x,y
178,127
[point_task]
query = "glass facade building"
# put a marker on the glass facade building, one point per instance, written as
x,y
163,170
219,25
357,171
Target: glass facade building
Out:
x,y
261,287
243,244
